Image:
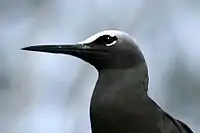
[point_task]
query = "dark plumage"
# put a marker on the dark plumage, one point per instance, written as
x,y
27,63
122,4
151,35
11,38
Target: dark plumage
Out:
x,y
120,103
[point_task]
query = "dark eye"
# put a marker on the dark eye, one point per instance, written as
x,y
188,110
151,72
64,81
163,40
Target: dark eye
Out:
x,y
105,39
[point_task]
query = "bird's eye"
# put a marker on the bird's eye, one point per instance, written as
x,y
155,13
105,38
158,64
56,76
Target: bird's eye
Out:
x,y
106,40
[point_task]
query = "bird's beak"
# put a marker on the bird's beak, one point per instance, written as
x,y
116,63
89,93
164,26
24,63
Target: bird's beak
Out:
x,y
88,52
73,49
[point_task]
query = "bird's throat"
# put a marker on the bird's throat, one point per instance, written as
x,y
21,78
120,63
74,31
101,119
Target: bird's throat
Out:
x,y
120,85
135,78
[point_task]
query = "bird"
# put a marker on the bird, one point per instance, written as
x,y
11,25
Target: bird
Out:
x,y
120,102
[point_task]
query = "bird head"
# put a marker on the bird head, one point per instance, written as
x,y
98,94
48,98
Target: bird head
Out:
x,y
110,49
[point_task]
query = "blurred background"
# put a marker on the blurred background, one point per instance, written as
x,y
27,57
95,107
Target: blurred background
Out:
x,y
39,91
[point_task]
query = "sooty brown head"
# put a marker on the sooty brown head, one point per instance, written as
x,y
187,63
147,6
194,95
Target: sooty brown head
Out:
x,y
110,49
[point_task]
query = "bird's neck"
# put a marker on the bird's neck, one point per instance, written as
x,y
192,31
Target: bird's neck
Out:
x,y
125,78
121,95
121,84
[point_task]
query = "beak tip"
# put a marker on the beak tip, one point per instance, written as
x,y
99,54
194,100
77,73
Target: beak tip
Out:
x,y
27,48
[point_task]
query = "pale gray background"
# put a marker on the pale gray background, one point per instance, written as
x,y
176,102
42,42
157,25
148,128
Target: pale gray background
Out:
x,y
36,89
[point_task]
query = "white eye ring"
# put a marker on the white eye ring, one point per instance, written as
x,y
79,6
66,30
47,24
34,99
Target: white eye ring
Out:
x,y
110,44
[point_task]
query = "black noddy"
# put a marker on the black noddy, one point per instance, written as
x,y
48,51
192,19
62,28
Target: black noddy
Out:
x,y
120,103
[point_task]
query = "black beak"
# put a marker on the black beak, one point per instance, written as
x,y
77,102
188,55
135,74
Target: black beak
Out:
x,y
66,49
90,52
